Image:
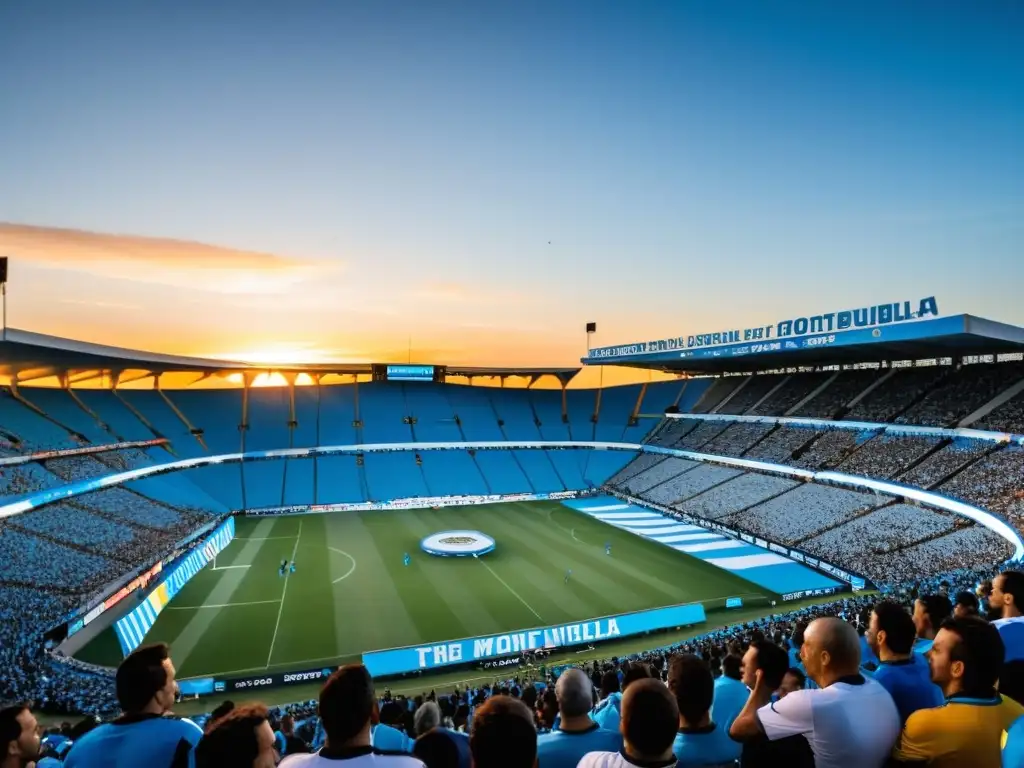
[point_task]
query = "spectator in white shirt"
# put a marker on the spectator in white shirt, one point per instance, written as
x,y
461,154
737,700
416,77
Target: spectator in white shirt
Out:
x,y
503,735
850,721
650,719
347,703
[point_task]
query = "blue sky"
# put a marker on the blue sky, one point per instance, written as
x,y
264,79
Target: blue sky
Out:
x,y
486,178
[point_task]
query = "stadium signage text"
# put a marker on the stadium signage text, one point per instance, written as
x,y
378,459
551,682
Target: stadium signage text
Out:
x,y
501,645
826,323
476,649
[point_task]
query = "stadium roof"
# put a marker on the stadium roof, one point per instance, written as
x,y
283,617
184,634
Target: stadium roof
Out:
x,y
24,352
955,336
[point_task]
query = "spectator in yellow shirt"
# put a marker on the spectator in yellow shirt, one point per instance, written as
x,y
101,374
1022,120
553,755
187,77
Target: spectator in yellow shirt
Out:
x,y
967,730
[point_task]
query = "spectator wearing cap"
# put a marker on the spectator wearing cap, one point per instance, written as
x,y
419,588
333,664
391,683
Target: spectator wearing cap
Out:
x,y
348,707
503,735
730,692
901,672
1007,598
929,613
700,740
850,721
146,733
576,734
243,738
19,737
650,721
967,730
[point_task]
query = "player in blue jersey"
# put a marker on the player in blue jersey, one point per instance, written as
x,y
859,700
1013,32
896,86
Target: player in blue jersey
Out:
x,y
608,548
291,568
406,560
568,575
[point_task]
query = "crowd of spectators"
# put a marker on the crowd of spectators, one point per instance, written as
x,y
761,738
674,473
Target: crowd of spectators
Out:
x,y
739,493
696,439
963,392
858,681
834,398
70,522
796,388
24,558
780,445
993,483
674,429
752,392
720,389
945,462
737,439
804,511
1008,417
657,474
639,465
73,468
831,447
897,393
700,478
886,456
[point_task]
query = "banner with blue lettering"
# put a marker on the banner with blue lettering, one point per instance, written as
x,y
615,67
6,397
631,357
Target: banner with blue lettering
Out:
x,y
430,656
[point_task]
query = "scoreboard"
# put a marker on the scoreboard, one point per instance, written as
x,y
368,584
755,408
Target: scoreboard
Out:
x,y
396,372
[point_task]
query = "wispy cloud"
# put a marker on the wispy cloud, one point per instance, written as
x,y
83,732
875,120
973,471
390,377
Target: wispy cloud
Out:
x,y
162,261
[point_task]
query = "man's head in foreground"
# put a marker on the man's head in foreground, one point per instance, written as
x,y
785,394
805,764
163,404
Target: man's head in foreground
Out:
x,y
503,735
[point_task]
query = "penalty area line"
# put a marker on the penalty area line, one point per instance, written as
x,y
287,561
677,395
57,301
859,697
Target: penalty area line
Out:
x,y
216,605
505,583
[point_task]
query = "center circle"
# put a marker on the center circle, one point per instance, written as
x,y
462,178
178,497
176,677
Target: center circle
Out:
x,y
457,544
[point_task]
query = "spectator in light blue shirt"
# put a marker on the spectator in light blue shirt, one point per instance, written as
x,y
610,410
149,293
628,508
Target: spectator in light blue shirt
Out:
x,y
730,693
1007,597
700,741
146,734
577,734
606,713
1013,752
904,674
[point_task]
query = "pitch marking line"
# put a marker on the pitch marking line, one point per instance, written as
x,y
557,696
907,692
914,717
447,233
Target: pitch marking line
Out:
x,y
224,567
351,570
263,538
572,531
284,592
219,605
514,593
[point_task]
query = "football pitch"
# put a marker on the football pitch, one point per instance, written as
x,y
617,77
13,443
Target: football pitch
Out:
x,y
351,593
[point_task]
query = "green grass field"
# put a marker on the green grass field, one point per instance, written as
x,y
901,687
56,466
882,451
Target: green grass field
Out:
x,y
352,594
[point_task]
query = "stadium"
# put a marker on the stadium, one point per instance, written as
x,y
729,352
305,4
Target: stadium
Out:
x,y
454,531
